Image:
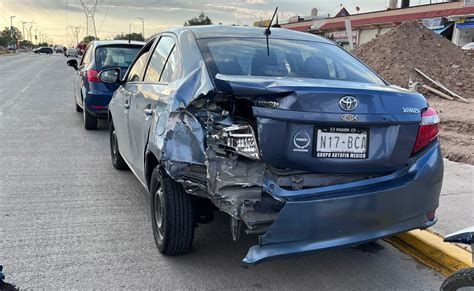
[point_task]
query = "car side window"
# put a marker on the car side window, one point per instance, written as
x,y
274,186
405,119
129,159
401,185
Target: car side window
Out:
x,y
158,59
172,70
87,55
136,70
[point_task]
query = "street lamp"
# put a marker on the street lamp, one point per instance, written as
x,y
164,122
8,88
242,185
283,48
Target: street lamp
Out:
x,y
143,26
11,25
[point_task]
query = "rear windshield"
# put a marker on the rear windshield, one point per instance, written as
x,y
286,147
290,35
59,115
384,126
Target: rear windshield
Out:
x,y
288,58
115,56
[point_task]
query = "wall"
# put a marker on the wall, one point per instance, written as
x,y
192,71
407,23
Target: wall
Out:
x,y
463,36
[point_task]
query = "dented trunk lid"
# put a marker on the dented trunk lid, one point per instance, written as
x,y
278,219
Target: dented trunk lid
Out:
x,y
302,124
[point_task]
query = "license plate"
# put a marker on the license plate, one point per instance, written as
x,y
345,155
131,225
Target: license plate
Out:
x,y
342,142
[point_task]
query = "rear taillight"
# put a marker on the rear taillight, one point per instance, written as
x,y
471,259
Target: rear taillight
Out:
x,y
93,76
429,129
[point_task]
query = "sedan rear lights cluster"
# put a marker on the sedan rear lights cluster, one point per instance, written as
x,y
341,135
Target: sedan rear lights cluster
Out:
x,y
429,129
93,76
241,139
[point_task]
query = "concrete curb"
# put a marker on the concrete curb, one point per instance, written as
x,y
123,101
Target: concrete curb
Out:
x,y
428,248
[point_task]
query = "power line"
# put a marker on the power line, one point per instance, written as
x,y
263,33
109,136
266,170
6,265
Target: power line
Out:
x,y
90,21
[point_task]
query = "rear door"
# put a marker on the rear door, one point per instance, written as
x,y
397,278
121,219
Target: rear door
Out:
x,y
161,70
122,102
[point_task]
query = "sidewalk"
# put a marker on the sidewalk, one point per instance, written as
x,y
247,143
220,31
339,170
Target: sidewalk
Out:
x,y
456,206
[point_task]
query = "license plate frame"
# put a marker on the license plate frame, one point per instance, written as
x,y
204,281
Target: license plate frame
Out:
x,y
343,130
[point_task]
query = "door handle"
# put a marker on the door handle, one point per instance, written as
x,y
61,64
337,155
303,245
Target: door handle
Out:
x,y
126,104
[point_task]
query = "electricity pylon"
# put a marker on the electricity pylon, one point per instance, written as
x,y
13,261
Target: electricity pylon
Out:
x,y
90,21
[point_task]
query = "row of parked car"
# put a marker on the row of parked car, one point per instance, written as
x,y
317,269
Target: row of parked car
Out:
x,y
290,135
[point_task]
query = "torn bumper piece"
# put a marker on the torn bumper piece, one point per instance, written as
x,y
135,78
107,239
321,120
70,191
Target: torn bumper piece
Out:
x,y
328,217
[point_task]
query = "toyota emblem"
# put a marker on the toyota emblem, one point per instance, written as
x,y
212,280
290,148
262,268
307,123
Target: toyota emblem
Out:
x,y
348,103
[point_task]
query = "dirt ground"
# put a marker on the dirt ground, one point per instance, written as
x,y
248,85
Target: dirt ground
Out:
x,y
395,55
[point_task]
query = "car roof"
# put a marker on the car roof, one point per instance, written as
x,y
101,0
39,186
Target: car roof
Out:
x,y
112,42
220,31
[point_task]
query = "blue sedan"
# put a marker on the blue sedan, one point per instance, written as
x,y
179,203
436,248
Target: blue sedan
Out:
x,y
91,96
291,136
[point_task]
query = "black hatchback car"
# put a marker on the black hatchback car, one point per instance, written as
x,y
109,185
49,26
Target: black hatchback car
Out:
x,y
91,95
290,135
43,50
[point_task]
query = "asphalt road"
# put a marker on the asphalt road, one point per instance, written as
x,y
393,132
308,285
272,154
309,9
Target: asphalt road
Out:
x,y
68,219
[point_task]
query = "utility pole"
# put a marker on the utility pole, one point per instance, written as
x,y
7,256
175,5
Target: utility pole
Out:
x,y
11,25
90,21
23,29
143,27
75,33
36,35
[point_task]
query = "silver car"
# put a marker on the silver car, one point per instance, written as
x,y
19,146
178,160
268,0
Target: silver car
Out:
x,y
71,52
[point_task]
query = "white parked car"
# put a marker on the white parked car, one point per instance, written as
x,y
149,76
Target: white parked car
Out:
x,y
71,52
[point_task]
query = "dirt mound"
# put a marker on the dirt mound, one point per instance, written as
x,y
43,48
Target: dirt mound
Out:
x,y
395,55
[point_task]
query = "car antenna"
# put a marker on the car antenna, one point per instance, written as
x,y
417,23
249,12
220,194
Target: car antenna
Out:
x,y
267,31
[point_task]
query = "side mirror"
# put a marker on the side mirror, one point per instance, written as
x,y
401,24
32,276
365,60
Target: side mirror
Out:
x,y
110,76
72,63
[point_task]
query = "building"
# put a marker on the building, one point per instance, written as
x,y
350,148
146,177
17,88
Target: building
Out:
x,y
454,20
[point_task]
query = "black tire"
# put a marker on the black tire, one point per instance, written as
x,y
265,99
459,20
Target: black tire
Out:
x,y
117,161
172,214
462,278
90,121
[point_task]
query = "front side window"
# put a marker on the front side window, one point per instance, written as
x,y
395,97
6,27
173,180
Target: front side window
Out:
x,y
172,70
87,55
136,71
158,59
287,58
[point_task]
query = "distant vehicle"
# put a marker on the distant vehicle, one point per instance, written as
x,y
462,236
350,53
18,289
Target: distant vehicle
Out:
x,y
59,50
291,136
71,52
43,50
91,95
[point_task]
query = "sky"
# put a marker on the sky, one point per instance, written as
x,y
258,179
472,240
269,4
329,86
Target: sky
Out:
x,y
56,18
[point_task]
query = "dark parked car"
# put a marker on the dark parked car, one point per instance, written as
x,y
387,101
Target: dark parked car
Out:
x,y
43,50
91,96
295,139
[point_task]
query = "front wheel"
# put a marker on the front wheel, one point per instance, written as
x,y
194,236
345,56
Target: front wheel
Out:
x,y
172,214
460,279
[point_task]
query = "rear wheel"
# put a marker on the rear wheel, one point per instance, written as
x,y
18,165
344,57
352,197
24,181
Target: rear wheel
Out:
x,y
78,108
117,161
90,121
172,214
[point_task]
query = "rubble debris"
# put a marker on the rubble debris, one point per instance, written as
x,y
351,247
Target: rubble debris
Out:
x,y
437,92
441,86
396,60
395,55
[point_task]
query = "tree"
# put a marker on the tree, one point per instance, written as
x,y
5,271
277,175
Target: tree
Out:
x,y
202,19
6,36
89,38
25,43
130,36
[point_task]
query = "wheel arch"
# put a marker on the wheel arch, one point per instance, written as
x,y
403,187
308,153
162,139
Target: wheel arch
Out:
x,y
151,161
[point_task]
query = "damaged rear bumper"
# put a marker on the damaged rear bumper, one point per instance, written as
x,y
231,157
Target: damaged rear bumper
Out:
x,y
353,213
